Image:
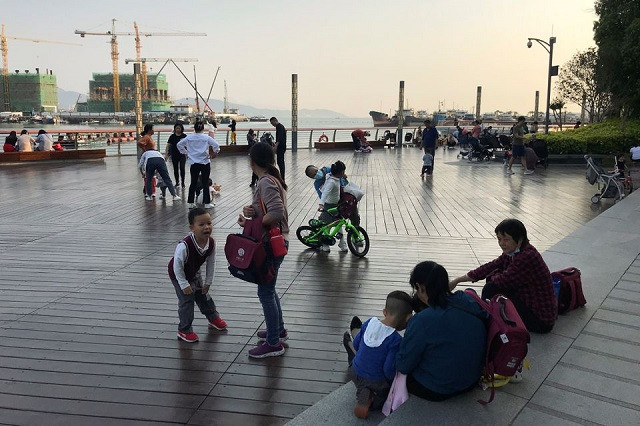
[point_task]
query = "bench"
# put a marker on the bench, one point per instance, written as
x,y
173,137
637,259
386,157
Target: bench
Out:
x,y
234,149
82,154
579,370
346,145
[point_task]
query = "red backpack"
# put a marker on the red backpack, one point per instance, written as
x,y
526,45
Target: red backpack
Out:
x,y
570,296
507,338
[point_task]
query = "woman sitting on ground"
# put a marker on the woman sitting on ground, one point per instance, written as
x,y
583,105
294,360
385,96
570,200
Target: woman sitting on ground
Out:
x,y
520,274
443,349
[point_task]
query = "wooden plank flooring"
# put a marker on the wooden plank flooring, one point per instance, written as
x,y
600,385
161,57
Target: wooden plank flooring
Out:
x,y
88,316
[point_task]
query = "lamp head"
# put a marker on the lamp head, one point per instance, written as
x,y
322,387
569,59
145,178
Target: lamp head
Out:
x,y
529,44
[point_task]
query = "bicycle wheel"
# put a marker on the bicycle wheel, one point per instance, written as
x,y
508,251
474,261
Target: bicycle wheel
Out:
x,y
308,236
358,244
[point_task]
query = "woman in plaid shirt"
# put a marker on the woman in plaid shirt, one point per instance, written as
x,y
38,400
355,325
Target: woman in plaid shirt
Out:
x,y
520,274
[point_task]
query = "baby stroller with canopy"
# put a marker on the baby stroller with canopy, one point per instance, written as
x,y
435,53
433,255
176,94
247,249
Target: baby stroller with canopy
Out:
x,y
539,146
611,186
478,151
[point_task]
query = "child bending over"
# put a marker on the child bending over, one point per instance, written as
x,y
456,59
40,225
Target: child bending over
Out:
x,y
376,345
192,252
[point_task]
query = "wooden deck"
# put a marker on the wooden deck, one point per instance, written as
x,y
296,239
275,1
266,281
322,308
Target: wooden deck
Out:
x,y
88,316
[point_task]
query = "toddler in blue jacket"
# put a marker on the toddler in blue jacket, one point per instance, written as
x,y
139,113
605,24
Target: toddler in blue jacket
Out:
x,y
376,345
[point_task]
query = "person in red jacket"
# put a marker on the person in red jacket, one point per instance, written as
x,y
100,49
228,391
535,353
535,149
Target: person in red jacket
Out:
x,y
520,274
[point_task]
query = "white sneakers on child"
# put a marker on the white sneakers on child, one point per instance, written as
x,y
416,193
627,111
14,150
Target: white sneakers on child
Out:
x,y
325,248
147,198
177,198
342,245
209,205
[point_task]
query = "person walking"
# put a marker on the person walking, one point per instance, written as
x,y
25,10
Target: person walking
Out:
x,y
178,159
281,144
517,146
429,140
270,197
199,148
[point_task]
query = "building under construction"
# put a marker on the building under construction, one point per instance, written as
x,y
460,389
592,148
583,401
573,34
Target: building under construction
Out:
x,y
32,91
156,97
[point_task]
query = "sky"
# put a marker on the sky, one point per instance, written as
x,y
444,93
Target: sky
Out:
x,y
349,55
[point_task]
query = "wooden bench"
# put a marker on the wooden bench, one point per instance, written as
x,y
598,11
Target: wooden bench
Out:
x,y
82,154
234,149
346,145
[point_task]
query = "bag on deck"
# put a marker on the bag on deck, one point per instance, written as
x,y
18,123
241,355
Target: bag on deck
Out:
x,y
570,296
507,338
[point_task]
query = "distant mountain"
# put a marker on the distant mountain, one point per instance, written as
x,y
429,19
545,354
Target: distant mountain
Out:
x,y
67,99
217,105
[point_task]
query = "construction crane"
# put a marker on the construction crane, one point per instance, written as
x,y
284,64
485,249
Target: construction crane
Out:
x,y
145,85
5,60
114,51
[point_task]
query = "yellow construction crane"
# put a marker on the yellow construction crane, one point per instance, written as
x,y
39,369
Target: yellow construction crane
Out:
x,y
145,84
114,52
5,61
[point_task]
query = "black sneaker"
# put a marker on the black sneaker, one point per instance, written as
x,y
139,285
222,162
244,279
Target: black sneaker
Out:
x,y
356,323
346,341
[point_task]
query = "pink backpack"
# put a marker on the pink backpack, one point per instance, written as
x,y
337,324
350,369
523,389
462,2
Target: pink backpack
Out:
x,y
507,338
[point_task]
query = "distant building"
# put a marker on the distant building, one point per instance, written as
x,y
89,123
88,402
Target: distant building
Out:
x,y
101,93
28,91
181,109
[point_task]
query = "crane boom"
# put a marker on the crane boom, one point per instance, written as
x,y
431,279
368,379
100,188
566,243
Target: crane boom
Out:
x,y
114,53
145,85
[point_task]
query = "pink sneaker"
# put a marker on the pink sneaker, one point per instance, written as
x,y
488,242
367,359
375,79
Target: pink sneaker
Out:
x,y
266,350
218,324
262,335
188,336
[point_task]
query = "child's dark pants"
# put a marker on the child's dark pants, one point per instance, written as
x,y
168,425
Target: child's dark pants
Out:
x,y
186,301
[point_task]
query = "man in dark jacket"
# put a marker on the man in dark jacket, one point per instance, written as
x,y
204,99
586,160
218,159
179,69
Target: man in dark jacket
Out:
x,y
281,143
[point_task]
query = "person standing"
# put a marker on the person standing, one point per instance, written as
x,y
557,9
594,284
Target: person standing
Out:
x,y
178,159
199,148
281,144
146,142
150,162
252,139
270,197
234,135
429,140
517,146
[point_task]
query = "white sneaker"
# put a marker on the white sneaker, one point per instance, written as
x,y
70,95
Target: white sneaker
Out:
x,y
208,206
153,195
177,198
516,378
528,172
147,198
342,245
510,172
325,248
191,205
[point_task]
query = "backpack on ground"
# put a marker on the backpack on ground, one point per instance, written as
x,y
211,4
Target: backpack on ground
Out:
x,y
570,295
507,339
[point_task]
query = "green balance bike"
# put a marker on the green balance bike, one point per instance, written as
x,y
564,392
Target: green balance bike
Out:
x,y
318,233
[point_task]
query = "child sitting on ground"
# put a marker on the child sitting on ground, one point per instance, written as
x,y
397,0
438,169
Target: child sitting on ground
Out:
x,y
192,252
427,164
376,345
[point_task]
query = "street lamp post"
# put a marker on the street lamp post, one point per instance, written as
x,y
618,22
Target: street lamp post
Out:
x,y
552,71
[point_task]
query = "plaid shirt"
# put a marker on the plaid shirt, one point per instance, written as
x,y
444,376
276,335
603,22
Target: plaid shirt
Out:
x,y
526,277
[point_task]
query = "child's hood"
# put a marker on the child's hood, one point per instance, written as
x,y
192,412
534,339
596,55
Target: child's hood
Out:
x,y
376,332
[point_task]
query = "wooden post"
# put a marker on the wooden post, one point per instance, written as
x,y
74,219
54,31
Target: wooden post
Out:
x,y
400,115
294,112
535,109
478,100
137,78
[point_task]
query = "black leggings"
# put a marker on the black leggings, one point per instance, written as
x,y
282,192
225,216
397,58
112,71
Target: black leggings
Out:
x,y
415,388
531,321
203,171
280,161
179,161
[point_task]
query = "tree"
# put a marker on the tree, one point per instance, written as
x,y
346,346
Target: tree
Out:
x,y
617,35
556,107
577,83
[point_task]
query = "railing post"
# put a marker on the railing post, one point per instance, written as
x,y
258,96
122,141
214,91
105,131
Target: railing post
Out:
x,y
311,139
376,136
158,139
334,134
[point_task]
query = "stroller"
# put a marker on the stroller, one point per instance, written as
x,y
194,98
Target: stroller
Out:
x,y
539,146
612,187
478,151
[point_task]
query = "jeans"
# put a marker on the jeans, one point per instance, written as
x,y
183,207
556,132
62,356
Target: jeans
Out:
x,y
280,161
186,301
157,163
179,161
271,303
203,171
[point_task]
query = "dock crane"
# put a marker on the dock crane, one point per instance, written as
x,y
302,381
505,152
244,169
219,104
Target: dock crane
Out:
x,y
115,54
5,60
